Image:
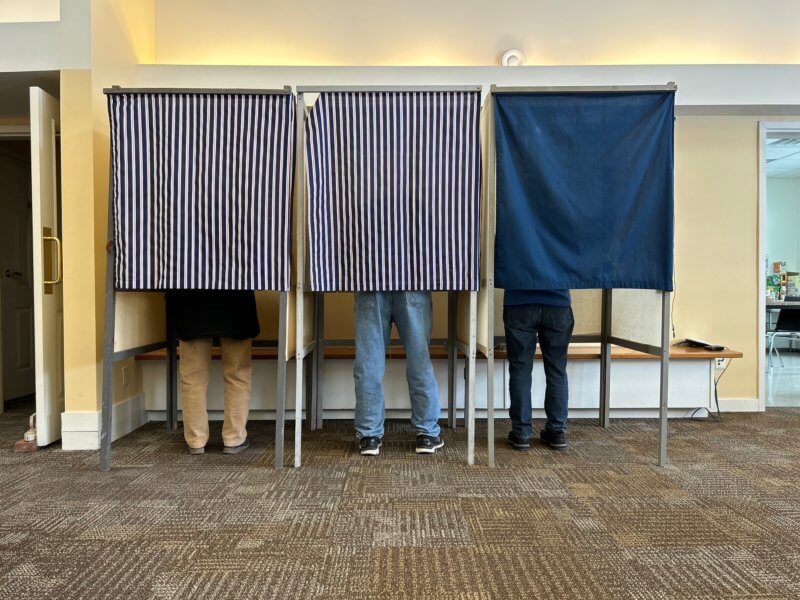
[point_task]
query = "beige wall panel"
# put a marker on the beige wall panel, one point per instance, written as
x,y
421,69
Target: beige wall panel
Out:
x,y
140,320
340,316
586,306
636,316
268,306
291,324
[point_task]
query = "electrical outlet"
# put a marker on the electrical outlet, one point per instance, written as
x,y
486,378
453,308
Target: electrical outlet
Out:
x,y
720,363
125,376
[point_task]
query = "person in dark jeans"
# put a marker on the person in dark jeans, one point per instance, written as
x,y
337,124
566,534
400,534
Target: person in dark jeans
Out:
x,y
544,316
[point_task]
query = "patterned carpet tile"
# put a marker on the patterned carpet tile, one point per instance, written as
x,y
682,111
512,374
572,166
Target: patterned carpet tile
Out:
x,y
601,520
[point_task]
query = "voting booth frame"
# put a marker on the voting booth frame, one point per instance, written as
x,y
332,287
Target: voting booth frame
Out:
x,y
471,314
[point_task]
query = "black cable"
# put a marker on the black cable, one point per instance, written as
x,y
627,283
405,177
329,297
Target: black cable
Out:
x,y
711,415
672,304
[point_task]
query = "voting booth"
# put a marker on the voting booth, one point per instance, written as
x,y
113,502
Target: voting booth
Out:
x,y
200,198
393,203
579,187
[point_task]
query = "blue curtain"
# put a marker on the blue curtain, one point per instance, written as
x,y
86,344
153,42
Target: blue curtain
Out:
x,y
584,190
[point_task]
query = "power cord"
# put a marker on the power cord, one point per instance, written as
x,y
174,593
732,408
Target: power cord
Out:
x,y
711,415
672,311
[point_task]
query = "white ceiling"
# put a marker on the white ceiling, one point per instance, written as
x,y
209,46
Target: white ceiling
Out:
x,y
783,157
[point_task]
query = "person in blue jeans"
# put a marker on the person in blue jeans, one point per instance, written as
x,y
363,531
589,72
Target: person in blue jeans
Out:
x,y
411,312
544,316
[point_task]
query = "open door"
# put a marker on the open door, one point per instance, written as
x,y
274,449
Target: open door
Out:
x,y
48,304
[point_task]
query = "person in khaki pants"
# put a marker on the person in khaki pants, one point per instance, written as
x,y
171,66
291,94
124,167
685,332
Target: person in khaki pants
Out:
x,y
200,316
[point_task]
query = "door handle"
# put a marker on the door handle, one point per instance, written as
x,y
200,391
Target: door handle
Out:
x,y
50,238
10,273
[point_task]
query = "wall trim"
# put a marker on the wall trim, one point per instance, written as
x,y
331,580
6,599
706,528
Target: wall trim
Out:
x,y
81,430
740,405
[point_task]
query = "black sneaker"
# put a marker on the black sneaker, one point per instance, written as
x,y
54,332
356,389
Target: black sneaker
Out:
x,y
555,439
428,444
236,449
518,443
370,446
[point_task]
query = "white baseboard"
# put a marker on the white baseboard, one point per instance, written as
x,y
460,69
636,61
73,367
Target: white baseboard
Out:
x,y
81,430
739,405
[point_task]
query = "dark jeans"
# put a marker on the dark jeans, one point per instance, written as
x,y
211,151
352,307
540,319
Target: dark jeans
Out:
x,y
552,325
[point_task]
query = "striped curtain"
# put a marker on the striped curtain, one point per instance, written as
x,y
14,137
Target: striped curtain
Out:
x,y
394,191
202,190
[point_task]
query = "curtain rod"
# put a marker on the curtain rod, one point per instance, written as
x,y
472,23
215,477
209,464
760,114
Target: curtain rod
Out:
x,y
242,92
670,87
321,89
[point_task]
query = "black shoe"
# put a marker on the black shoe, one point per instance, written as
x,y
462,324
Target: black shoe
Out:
x,y
236,449
428,444
370,446
555,439
518,443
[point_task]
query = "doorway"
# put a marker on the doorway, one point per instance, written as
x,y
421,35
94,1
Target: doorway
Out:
x,y
779,265
31,305
17,372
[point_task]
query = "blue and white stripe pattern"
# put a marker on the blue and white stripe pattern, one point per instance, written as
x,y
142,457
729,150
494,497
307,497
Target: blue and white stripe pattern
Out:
x,y
394,190
202,189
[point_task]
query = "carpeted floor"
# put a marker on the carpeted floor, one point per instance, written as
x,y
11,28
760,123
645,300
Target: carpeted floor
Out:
x,y
598,521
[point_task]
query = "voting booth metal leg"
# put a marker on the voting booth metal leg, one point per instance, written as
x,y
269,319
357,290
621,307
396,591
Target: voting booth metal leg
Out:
x,y
319,358
109,322
309,383
298,412
469,376
490,367
663,404
452,421
490,407
605,359
108,366
312,392
298,403
280,398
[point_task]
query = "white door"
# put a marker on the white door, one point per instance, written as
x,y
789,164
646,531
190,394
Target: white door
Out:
x,y
48,313
17,376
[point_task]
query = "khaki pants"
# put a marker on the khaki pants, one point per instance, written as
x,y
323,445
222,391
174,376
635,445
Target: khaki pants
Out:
x,y
195,360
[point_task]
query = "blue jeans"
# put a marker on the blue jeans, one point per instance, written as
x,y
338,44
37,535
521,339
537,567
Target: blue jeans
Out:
x,y
552,325
411,312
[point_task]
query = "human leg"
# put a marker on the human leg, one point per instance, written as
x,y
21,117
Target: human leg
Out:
x,y
195,359
520,326
412,314
238,369
372,324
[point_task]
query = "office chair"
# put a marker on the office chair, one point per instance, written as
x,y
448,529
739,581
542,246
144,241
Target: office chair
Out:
x,y
788,325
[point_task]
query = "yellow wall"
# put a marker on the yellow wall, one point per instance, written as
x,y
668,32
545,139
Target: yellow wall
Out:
x,y
122,36
716,164
474,32
77,217
716,240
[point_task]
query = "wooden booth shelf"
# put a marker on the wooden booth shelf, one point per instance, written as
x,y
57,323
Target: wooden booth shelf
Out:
x,y
576,352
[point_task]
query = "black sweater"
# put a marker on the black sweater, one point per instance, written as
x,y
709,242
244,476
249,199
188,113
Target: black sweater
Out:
x,y
213,313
